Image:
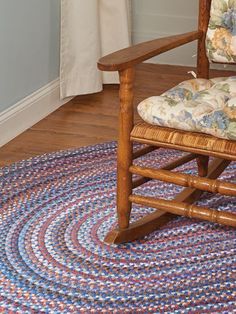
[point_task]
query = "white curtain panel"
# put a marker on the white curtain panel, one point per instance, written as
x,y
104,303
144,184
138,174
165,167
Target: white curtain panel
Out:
x,y
90,29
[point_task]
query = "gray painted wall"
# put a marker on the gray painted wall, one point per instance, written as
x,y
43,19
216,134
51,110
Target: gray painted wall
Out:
x,y
29,47
158,18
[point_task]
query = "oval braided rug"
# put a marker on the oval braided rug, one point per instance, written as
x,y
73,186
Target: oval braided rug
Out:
x,y
55,212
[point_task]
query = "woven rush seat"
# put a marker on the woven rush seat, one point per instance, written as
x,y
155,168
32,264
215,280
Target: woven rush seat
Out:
x,y
202,143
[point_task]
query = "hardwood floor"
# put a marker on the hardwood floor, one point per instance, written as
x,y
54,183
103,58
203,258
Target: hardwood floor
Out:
x,y
90,119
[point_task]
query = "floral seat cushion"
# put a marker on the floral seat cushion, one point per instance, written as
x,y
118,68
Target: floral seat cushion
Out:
x,y
221,34
196,105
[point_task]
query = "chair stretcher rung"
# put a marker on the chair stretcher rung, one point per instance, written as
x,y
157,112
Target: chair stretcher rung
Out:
x,y
205,184
144,151
184,209
169,166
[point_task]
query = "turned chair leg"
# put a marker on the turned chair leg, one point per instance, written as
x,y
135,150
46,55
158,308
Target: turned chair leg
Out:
x,y
125,148
203,163
124,153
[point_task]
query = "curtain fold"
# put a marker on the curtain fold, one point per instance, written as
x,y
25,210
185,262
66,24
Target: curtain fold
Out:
x,y
89,30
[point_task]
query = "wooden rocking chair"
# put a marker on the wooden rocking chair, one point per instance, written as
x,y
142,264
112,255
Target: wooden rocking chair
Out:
x,y
199,146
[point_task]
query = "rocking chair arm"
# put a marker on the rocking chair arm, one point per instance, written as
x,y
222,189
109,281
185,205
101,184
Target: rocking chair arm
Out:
x,y
136,54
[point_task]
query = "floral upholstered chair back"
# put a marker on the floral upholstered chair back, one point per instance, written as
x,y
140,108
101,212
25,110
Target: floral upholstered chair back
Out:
x,y
221,34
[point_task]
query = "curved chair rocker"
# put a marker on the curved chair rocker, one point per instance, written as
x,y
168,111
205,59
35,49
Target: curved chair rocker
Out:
x,y
196,135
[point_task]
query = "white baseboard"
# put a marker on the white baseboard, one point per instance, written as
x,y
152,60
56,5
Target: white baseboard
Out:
x,y
30,110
